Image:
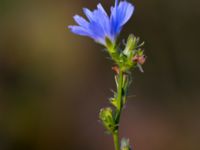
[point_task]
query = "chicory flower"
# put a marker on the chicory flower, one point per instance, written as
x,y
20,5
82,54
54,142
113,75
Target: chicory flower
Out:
x,y
99,25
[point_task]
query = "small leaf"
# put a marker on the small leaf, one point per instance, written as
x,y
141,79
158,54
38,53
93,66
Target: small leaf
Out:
x,y
113,101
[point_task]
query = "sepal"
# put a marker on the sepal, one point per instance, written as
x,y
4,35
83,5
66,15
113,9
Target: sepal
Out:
x,y
110,45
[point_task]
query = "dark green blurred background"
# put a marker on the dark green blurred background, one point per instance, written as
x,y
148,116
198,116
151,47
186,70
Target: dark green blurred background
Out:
x,y
53,83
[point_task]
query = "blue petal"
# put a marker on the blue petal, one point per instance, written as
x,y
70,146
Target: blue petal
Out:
x,y
88,13
79,30
103,20
113,21
81,21
100,7
125,11
97,31
99,25
120,15
116,2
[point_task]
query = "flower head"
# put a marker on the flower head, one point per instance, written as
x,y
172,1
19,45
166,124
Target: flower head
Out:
x,y
99,25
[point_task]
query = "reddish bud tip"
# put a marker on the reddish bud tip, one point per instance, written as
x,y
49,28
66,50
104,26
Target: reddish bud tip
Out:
x,y
116,69
140,59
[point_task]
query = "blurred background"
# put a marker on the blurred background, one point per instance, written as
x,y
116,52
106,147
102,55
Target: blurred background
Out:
x,y
53,83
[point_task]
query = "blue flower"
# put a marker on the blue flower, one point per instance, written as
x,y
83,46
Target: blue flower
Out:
x,y
99,25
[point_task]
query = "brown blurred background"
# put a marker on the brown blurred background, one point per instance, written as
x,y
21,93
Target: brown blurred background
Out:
x,y
53,83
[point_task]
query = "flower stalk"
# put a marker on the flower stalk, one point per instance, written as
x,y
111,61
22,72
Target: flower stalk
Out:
x,y
116,141
105,29
118,111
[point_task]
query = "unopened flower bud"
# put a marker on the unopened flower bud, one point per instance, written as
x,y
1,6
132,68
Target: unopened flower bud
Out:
x,y
142,59
116,69
106,117
130,45
139,59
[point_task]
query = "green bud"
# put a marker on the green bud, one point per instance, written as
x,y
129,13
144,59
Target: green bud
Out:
x,y
130,45
106,117
125,145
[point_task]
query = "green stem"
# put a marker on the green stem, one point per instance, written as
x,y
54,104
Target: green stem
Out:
x,y
116,141
118,111
119,90
119,98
